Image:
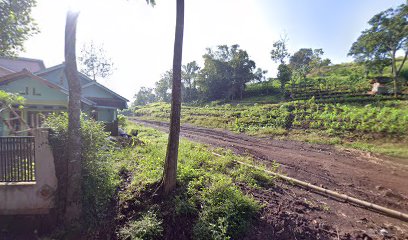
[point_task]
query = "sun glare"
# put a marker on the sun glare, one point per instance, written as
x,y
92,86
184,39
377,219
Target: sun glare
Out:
x,y
80,5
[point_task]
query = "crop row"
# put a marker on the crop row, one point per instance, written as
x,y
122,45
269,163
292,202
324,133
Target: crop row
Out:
x,y
309,114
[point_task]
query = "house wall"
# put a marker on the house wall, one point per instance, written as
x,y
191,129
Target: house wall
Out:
x,y
106,114
32,197
36,92
58,77
95,91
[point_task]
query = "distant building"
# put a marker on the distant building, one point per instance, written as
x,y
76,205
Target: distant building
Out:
x,y
46,91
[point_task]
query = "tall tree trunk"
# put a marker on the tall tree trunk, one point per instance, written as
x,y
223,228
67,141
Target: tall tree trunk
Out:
x,y
170,167
74,169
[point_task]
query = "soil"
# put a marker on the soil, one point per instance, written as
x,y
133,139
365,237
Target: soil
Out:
x,y
292,212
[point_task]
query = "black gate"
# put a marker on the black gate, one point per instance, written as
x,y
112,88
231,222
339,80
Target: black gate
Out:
x,y
17,159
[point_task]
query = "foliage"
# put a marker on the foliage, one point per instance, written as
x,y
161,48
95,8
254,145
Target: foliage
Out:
x,y
305,60
122,121
7,99
206,191
94,61
226,213
387,35
144,96
148,227
163,87
341,118
99,176
16,25
189,77
226,71
284,75
279,52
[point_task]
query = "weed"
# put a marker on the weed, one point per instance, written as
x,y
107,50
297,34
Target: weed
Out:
x,y
206,192
100,178
147,227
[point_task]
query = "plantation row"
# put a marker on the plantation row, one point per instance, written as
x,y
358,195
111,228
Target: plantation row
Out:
x,y
388,117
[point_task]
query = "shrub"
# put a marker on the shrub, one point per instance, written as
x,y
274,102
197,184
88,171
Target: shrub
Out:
x,y
148,227
121,121
226,211
100,179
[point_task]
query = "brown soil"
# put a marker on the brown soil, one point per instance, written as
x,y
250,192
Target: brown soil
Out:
x,y
294,213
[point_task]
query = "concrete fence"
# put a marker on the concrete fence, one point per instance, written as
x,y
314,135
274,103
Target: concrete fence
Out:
x,y
35,197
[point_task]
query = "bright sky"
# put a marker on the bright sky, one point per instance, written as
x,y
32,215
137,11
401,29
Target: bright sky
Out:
x,y
140,39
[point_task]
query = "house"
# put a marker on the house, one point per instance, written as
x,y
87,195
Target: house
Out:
x,y
46,91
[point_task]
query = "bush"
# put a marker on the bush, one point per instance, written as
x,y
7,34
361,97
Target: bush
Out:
x,y
100,179
226,211
148,227
122,121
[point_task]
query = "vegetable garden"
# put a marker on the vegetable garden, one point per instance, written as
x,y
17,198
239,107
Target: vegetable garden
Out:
x,y
386,117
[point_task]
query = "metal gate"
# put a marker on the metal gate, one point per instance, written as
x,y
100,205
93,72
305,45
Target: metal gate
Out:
x,y
17,159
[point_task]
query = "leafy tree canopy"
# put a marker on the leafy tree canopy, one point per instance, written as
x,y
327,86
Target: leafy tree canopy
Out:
x,y
387,35
94,62
284,75
7,99
279,53
226,71
163,87
189,77
144,97
16,25
306,59
377,46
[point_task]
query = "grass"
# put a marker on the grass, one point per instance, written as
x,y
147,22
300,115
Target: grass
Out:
x,y
355,125
147,227
207,192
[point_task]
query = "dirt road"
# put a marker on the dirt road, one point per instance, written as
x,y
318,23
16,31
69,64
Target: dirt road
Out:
x,y
354,173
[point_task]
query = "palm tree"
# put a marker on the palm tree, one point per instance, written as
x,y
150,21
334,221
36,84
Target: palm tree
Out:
x,y
168,183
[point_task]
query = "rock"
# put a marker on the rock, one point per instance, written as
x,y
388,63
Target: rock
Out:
x,y
379,187
383,232
390,193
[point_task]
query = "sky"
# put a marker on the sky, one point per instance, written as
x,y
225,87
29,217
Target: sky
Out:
x,y
139,38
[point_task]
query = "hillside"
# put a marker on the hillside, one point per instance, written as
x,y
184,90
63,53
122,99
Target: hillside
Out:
x,y
344,78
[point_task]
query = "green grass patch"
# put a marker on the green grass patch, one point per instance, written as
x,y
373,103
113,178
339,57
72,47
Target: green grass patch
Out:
x,y
208,192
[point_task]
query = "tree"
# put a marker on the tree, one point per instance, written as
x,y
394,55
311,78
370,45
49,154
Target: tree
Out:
x,y
300,60
284,76
73,203
367,52
317,60
94,61
189,77
305,60
387,35
163,87
144,97
168,182
16,25
259,75
226,71
279,53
